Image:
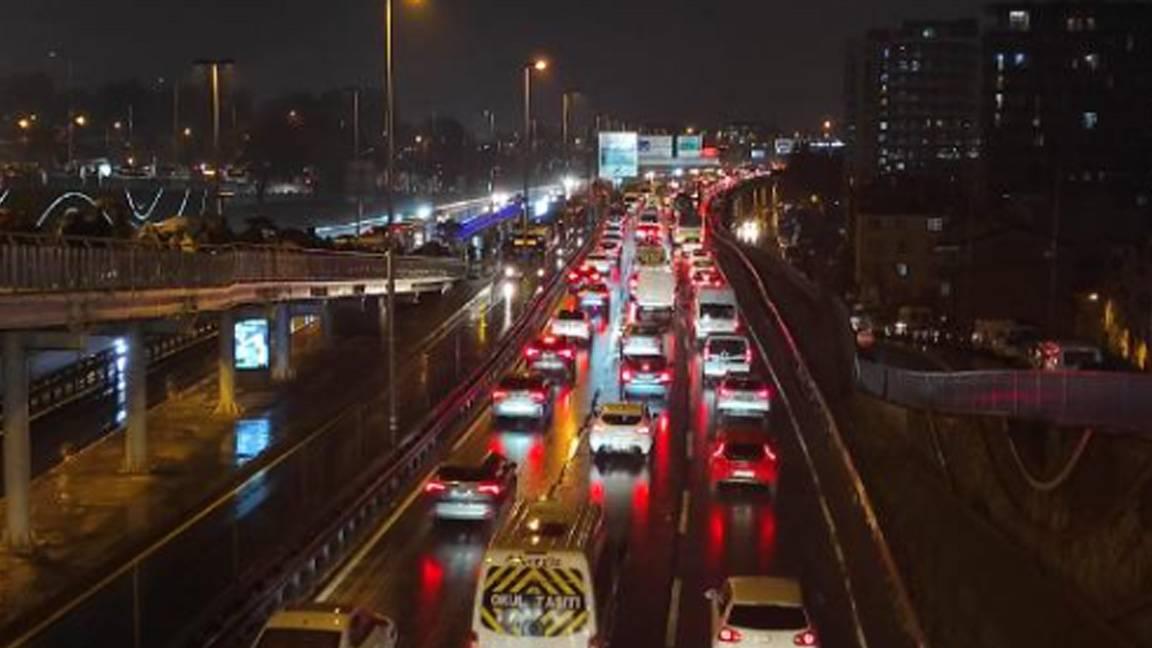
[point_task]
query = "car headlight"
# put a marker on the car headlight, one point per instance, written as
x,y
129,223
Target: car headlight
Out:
x,y
540,272
509,272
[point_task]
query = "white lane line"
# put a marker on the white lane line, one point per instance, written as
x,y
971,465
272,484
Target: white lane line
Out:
x,y
685,509
673,615
351,566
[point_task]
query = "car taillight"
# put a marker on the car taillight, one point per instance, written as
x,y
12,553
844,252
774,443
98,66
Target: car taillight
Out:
x,y
769,453
627,375
566,353
435,486
642,429
538,396
665,376
718,453
499,394
531,352
806,638
748,356
729,635
725,392
764,393
490,488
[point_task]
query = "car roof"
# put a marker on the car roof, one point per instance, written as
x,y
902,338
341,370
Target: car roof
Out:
x,y
622,408
313,616
760,590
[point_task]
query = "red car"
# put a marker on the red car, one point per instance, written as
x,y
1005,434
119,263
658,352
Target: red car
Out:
x,y
743,455
582,276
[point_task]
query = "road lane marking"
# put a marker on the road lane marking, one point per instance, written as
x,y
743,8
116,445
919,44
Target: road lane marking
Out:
x,y
685,508
673,615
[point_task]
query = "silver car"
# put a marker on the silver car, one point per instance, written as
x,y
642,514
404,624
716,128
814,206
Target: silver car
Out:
x,y
725,354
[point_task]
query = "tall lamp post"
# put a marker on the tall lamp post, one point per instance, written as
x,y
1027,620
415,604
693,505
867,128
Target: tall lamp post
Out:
x,y
538,65
389,168
213,66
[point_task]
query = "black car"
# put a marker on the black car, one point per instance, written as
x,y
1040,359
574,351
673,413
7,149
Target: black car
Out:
x,y
472,490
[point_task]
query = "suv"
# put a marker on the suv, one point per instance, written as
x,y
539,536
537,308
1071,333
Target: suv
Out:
x,y
472,490
725,354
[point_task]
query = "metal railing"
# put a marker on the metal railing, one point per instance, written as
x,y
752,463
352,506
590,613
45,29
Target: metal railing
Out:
x,y
43,264
1117,400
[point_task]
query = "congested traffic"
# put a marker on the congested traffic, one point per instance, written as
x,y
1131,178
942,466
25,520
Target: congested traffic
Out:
x,y
620,490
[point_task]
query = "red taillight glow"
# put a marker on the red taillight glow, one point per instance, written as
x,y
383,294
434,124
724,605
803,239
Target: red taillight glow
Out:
x,y
729,635
748,356
434,487
665,376
499,394
768,452
627,375
718,453
490,488
566,353
764,393
539,396
531,352
806,638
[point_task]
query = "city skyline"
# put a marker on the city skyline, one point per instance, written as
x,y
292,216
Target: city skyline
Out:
x,y
712,58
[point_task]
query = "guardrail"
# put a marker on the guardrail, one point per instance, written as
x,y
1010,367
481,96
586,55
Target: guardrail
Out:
x,y
870,587
43,264
1105,399
237,579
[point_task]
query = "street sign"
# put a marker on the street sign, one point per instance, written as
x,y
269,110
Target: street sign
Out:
x,y
619,156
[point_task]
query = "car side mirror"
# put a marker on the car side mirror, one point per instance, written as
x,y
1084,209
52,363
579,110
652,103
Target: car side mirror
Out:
x,y
711,594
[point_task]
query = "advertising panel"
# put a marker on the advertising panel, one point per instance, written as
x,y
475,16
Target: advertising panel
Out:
x,y
655,147
251,344
689,146
619,156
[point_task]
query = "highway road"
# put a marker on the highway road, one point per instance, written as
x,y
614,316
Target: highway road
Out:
x,y
682,537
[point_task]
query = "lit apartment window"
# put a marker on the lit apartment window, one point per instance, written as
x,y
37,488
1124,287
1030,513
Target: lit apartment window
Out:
x,y
1000,61
1019,20
902,269
928,33
999,98
1092,61
935,224
884,125
1074,24
1020,59
1089,120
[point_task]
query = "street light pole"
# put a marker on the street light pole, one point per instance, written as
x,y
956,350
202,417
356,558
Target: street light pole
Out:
x,y
539,66
214,66
389,168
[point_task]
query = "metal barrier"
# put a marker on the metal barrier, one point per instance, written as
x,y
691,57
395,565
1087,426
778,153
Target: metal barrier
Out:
x,y
42,264
1117,400
868,585
235,580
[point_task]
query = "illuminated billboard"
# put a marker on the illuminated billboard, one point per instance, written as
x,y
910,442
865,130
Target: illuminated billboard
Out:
x,y
655,147
251,344
619,156
689,146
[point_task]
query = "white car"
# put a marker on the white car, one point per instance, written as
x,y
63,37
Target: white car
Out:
x,y
622,427
524,396
760,611
725,354
329,626
743,395
572,324
642,340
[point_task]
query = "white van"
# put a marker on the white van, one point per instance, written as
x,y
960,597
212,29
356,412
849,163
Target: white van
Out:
x,y
715,312
547,579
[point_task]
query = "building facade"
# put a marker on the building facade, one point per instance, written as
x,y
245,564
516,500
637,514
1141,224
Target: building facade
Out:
x,y
912,100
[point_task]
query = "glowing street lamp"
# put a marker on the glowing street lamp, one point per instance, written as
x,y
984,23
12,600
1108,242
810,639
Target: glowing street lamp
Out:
x,y
80,120
539,65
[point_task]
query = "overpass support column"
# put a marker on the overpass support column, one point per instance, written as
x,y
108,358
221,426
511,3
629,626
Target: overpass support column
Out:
x,y
226,403
136,393
17,450
281,318
327,324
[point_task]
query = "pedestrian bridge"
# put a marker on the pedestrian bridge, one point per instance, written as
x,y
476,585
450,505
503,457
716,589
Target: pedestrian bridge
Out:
x,y
61,281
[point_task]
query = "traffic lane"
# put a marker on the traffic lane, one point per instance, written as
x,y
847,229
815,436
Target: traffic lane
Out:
x,y
731,530
423,573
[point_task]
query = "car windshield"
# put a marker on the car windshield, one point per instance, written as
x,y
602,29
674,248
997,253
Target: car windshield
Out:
x,y
572,315
727,346
744,451
463,473
615,418
743,384
648,363
718,311
767,617
518,383
292,638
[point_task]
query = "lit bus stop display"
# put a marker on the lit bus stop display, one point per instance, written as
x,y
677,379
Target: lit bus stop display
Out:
x,y
251,344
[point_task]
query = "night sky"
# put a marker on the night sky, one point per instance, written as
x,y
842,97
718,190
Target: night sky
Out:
x,y
659,61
